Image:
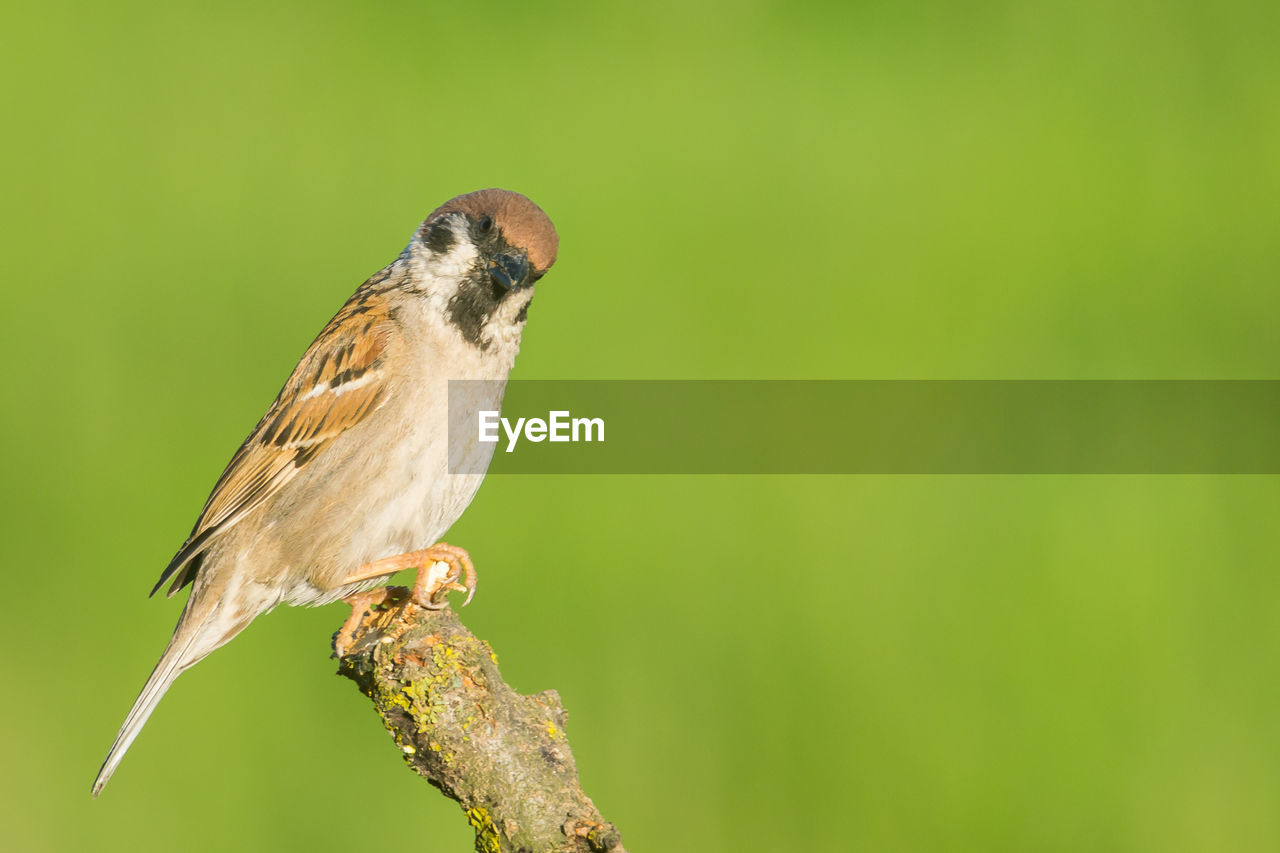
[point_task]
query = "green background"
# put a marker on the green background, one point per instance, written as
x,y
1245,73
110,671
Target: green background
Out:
x,y
859,190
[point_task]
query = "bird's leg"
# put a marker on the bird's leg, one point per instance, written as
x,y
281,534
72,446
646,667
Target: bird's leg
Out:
x,y
429,588
360,602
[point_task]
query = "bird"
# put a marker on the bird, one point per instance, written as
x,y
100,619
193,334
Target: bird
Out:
x,y
347,478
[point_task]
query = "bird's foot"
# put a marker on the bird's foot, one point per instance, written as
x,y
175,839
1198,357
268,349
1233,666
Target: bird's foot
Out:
x,y
433,583
432,586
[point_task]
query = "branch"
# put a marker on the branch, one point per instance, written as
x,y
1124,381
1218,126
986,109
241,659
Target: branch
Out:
x,y
503,757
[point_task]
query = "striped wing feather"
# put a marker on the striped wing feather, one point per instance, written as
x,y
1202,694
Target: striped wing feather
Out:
x,y
335,386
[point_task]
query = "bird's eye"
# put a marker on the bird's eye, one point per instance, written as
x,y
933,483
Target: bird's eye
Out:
x,y
486,225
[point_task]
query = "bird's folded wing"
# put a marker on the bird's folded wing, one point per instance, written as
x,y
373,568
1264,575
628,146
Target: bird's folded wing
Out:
x,y
338,383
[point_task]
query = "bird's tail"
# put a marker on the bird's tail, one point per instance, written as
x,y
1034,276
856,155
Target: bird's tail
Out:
x,y
198,633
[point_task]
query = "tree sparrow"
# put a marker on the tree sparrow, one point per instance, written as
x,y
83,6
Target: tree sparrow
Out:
x,y
348,469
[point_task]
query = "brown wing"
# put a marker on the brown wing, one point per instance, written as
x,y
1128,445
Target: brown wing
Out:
x,y
338,383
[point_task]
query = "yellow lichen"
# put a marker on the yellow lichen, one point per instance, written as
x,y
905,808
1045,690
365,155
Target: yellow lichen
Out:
x,y
486,833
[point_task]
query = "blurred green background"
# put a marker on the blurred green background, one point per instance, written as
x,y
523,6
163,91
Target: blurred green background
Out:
x,y
757,190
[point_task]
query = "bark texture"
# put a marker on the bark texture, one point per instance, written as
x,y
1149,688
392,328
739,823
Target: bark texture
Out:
x,y
502,756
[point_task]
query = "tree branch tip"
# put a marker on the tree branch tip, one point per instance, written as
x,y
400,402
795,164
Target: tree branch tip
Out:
x,y
503,757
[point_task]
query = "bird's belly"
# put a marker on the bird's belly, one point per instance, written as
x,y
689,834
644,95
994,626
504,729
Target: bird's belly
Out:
x,y
393,497
427,504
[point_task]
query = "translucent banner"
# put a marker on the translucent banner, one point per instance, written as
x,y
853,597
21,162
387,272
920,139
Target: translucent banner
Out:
x,y
867,427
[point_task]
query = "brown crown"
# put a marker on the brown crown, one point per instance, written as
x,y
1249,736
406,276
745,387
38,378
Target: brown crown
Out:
x,y
521,221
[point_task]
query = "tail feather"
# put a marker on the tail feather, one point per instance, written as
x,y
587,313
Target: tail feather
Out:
x,y
199,632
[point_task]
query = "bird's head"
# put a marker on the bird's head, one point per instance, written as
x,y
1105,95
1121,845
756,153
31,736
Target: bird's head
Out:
x,y
485,250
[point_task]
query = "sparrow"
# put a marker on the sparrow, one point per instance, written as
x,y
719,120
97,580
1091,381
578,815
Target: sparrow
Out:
x,y
348,471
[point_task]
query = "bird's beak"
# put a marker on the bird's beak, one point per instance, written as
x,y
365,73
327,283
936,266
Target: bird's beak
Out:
x,y
510,270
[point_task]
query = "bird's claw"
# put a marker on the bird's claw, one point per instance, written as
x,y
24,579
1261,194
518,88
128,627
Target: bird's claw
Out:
x,y
451,565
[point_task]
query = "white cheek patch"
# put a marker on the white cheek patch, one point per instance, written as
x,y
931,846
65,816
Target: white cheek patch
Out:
x,y
455,263
460,257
